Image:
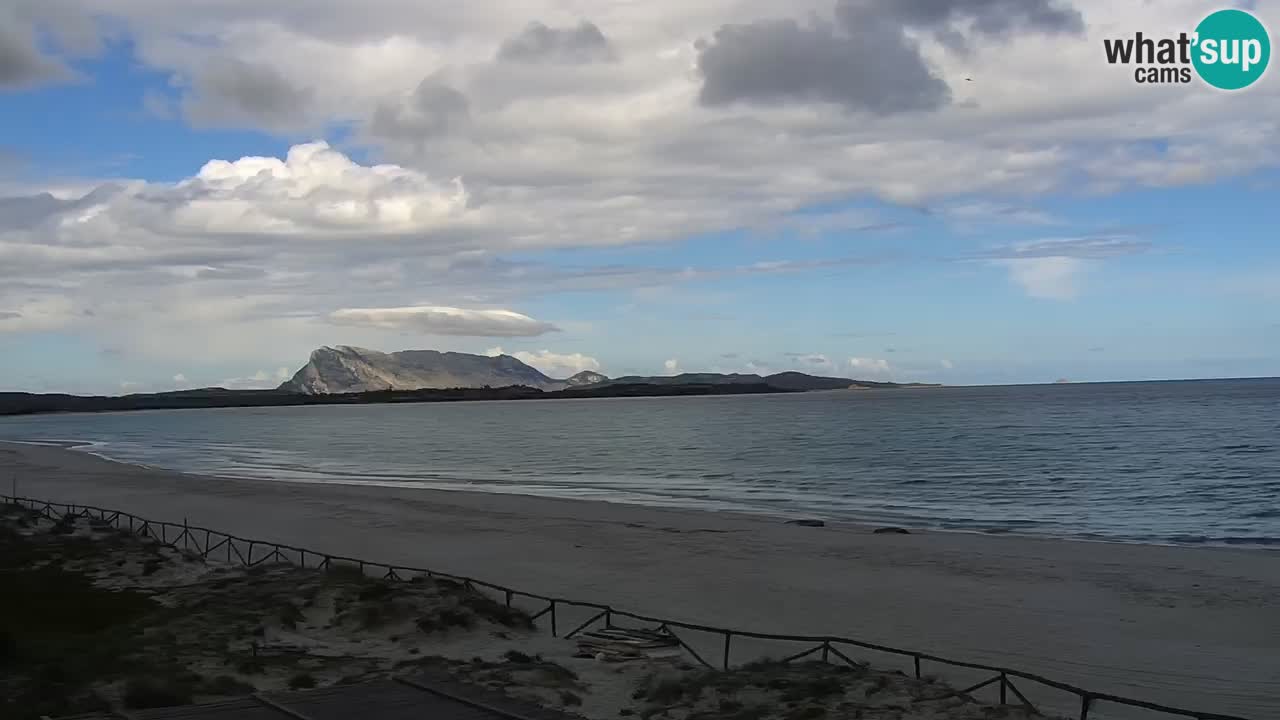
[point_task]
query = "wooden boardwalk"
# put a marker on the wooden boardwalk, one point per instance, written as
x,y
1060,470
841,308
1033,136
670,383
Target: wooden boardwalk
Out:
x,y
415,697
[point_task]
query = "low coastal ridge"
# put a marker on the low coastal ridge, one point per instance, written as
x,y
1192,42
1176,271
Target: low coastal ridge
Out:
x,y
347,375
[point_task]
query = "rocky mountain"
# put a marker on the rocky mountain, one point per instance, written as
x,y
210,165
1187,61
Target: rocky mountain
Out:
x,y
586,377
345,369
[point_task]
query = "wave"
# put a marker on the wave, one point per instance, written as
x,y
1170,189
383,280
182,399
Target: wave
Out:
x,y
1263,540
1019,498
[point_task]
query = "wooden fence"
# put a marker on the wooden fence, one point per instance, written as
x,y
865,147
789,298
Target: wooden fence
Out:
x,y
220,546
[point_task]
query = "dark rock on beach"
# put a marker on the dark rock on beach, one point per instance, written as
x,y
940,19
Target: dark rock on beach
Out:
x,y
807,523
891,531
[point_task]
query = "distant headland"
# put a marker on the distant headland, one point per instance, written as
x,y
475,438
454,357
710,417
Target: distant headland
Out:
x,y
345,375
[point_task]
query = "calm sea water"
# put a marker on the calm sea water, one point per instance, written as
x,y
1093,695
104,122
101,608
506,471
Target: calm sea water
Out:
x,y
1175,462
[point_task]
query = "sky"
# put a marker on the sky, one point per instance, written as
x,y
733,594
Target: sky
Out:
x,y
952,191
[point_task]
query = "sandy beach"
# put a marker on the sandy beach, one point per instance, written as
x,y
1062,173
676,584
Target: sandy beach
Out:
x,y
1191,627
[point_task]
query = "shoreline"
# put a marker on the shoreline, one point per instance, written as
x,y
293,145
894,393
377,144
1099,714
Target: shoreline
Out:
x,y
1185,626
82,446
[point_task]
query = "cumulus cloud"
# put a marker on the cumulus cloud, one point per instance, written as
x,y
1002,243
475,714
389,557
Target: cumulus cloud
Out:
x,y
584,43
231,92
432,110
434,320
1051,268
1052,278
179,379
866,60
868,367
672,366
869,66
946,364
315,189
630,155
556,365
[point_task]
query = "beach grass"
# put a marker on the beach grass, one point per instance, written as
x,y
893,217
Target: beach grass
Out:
x,y
93,618
105,620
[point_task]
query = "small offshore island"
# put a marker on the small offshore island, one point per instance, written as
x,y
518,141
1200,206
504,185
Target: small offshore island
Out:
x,y
345,375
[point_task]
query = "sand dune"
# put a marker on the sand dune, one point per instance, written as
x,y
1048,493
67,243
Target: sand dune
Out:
x,y
1193,627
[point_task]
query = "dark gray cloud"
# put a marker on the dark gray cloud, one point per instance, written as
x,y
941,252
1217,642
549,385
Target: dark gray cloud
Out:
x,y
540,43
22,64
231,92
985,17
25,212
866,66
29,211
864,60
434,109
10,315
65,22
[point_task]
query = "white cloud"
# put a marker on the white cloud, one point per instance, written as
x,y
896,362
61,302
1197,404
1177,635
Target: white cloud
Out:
x,y
672,366
556,365
812,360
436,320
866,367
1050,268
315,190
1052,278
260,380
946,364
180,379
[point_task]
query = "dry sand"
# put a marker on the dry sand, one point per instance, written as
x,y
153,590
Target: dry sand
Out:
x,y
1192,627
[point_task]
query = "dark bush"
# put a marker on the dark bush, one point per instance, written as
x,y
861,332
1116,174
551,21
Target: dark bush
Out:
x,y
142,693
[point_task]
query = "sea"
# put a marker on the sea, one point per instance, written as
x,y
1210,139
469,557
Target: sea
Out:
x,y
1182,462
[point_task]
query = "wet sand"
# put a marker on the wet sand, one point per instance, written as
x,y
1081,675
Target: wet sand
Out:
x,y
1196,627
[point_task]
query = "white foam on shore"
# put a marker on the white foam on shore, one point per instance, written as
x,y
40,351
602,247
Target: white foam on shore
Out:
x,y
101,449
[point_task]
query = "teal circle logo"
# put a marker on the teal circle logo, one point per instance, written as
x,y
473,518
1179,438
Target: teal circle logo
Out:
x,y
1232,49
